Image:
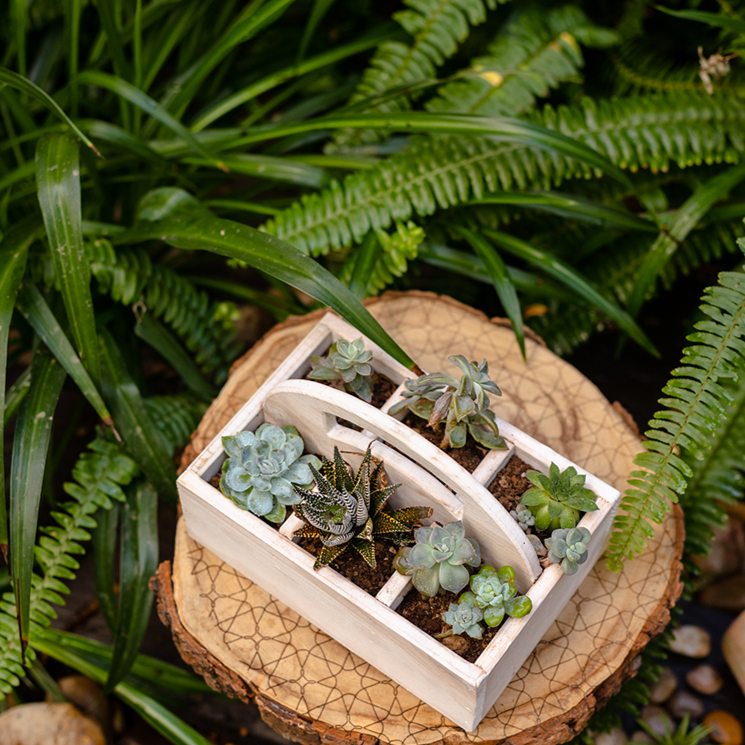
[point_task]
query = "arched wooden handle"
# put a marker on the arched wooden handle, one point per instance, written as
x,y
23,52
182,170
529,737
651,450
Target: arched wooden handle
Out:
x,y
314,408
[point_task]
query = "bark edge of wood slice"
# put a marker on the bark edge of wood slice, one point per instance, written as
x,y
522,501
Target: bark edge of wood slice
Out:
x,y
311,689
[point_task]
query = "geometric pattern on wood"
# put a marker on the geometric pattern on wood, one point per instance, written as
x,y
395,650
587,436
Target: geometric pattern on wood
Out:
x,y
288,660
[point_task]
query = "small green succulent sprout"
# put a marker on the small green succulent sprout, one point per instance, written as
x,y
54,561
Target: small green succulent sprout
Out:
x,y
440,558
464,616
462,404
568,547
495,593
523,517
263,467
348,511
347,367
557,499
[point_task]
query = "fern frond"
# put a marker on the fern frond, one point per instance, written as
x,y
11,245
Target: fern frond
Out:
x,y
536,51
176,416
643,132
98,476
437,27
697,404
128,276
716,480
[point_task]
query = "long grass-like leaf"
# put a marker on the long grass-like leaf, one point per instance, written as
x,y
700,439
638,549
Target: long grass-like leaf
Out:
x,y
14,80
320,8
682,223
568,276
104,549
143,439
139,560
13,253
190,229
16,393
736,25
500,278
154,713
30,446
159,338
35,310
58,187
364,261
149,106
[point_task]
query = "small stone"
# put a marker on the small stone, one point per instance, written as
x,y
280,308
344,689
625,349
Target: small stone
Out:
x,y
663,687
455,642
724,728
641,736
48,724
733,648
616,736
691,641
704,679
657,719
87,696
685,704
726,553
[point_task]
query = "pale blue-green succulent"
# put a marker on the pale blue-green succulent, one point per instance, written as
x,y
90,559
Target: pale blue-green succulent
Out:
x,y
263,467
462,404
495,594
347,367
464,616
523,517
440,558
568,547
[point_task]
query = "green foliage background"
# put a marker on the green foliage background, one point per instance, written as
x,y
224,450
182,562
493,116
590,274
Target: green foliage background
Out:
x,y
565,154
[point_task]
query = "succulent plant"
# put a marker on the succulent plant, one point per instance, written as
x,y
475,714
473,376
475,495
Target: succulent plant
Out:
x,y
557,499
568,547
462,404
523,517
263,466
347,367
439,558
347,510
495,594
537,544
464,616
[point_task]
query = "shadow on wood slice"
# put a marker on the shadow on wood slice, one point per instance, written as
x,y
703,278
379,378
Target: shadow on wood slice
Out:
x,y
308,687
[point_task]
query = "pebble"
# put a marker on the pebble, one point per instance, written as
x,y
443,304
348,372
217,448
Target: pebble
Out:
x,y
727,551
733,648
616,736
49,724
725,728
685,704
729,594
657,719
456,642
704,679
691,641
87,696
663,687
641,736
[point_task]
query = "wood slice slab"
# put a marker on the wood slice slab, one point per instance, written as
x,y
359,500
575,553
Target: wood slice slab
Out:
x,y
312,689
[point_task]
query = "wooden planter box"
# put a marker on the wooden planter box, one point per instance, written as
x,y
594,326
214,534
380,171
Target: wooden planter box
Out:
x,y
369,625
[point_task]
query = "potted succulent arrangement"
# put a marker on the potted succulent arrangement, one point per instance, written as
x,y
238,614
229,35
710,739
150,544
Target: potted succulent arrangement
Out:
x,y
399,515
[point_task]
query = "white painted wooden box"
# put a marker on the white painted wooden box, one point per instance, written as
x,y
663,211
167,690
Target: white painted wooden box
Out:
x,y
369,625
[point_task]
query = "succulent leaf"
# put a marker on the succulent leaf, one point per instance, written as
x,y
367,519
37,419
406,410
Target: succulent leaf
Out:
x,y
346,367
462,404
495,593
463,616
568,547
262,468
346,510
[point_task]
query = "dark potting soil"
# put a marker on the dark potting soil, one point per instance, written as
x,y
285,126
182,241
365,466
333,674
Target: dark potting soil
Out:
x,y
510,484
352,566
469,456
426,614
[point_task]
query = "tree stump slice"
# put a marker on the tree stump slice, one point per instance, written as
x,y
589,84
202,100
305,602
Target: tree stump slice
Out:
x,y
310,688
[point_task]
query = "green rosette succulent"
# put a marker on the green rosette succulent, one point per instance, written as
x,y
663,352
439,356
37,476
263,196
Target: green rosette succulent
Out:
x,y
557,499
347,367
464,616
462,404
495,594
440,558
568,547
263,467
